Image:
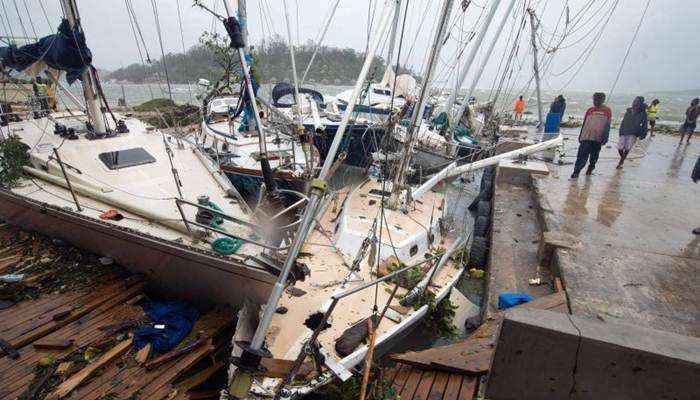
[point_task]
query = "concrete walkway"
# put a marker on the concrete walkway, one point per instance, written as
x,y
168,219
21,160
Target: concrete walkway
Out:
x,y
638,261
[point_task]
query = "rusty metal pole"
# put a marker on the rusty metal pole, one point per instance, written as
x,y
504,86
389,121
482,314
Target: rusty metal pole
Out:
x,y
65,176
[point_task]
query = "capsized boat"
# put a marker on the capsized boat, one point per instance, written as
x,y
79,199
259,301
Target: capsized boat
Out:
x,y
147,199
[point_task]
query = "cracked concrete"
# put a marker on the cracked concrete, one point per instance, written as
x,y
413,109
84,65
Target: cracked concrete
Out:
x,y
549,355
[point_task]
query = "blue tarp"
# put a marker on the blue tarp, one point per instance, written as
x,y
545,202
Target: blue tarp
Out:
x,y
178,317
65,51
508,300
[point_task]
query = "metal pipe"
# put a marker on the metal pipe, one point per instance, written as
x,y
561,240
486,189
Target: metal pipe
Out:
x,y
484,61
318,186
320,40
472,55
417,117
417,290
65,176
453,170
536,68
377,281
88,78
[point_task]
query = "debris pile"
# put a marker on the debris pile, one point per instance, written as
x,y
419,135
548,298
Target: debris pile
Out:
x,y
73,325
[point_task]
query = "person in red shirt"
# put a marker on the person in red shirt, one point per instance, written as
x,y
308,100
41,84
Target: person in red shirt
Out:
x,y
519,108
594,134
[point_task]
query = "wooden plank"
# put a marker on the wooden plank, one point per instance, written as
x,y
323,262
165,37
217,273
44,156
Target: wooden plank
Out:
x,y
176,353
454,383
426,383
143,353
409,388
547,302
390,373
53,344
468,388
83,331
401,376
279,368
129,381
439,385
9,349
558,286
74,381
7,262
37,326
64,367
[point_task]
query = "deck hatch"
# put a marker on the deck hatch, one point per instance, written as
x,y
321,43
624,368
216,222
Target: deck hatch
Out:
x,y
126,158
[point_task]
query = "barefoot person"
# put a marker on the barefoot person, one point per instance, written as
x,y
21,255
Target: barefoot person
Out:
x,y
691,119
652,115
594,134
519,108
632,127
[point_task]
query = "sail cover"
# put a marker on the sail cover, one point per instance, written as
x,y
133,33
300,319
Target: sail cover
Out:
x,y
66,51
405,85
283,95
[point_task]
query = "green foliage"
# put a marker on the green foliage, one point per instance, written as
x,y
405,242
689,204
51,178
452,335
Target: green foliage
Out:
x,y
212,56
13,156
173,114
409,279
440,315
161,104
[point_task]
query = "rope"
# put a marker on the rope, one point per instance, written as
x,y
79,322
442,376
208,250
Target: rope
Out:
x,y
162,50
134,26
29,15
9,25
629,48
46,15
19,17
182,41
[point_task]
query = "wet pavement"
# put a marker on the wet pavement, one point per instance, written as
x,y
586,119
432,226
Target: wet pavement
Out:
x,y
638,261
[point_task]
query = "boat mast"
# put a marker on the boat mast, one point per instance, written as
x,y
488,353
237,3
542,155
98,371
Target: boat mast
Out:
x,y
417,117
240,46
243,21
485,60
92,103
308,147
470,58
392,35
535,66
318,185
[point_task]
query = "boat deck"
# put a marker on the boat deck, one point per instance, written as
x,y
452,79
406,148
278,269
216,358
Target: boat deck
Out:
x,y
149,187
68,305
329,268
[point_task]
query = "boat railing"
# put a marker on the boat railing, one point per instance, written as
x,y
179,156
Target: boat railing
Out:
x,y
303,199
311,346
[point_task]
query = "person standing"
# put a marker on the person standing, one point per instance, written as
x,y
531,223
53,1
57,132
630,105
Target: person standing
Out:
x,y
652,114
594,134
634,126
691,119
556,115
519,108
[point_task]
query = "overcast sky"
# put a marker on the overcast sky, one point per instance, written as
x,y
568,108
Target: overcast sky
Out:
x,y
665,55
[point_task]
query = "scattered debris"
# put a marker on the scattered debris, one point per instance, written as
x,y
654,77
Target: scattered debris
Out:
x,y
295,291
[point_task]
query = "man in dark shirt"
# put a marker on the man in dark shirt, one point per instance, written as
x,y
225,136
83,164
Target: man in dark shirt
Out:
x,y
594,134
691,119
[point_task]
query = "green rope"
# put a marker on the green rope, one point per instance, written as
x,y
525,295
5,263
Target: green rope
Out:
x,y
227,245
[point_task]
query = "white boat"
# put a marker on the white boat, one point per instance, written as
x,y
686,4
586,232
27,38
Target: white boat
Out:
x,y
149,200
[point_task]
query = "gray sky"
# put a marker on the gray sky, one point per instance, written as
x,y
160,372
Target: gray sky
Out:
x,y
664,57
